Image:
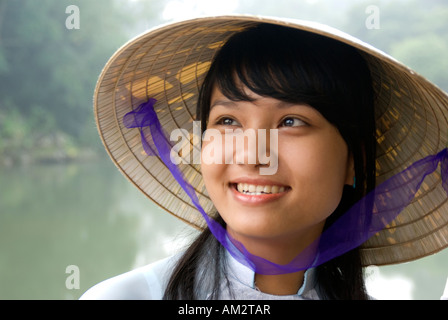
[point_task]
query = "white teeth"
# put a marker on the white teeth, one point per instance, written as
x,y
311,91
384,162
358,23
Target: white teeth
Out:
x,y
258,189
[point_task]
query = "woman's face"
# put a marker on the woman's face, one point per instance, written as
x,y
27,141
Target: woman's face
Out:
x,y
313,165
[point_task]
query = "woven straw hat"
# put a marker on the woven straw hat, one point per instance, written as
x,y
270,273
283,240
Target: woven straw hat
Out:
x,y
169,64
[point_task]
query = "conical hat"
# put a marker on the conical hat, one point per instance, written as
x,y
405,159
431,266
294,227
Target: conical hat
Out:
x,y
169,64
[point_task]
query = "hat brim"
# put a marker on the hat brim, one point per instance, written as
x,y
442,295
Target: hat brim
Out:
x,y
169,64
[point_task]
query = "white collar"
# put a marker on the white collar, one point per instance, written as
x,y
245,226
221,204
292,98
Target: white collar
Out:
x,y
246,276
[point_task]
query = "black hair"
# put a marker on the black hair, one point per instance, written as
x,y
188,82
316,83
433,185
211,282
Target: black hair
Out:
x,y
300,67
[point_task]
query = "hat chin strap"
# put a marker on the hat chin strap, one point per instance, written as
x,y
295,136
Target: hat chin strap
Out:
x,y
367,217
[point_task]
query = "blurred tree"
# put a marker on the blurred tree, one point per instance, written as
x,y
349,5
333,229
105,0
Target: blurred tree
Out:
x,y
414,32
426,54
51,70
48,72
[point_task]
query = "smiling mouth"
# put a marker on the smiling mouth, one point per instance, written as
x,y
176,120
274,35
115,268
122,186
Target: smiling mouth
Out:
x,y
251,189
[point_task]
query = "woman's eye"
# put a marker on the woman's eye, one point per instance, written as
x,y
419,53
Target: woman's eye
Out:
x,y
228,122
293,122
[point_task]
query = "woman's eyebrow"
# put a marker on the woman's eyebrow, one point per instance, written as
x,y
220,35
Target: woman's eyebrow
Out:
x,y
233,105
225,103
285,104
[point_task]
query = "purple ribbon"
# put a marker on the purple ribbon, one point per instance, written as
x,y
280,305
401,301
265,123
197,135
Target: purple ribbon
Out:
x,y
366,218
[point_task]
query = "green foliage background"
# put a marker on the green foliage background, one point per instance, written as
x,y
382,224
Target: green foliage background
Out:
x,y
48,73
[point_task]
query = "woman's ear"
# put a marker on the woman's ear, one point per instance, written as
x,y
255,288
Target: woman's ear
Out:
x,y
350,175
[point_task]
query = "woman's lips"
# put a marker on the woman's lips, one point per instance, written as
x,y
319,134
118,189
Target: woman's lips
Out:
x,y
247,188
256,194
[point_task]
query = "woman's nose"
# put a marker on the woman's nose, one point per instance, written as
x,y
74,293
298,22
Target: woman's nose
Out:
x,y
254,147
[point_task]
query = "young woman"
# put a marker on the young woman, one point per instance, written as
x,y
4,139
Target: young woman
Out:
x,y
275,236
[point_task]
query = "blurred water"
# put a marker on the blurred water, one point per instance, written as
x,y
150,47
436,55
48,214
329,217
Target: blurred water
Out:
x,y
89,216
85,215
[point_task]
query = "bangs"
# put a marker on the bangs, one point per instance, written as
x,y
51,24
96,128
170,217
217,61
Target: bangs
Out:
x,y
280,63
